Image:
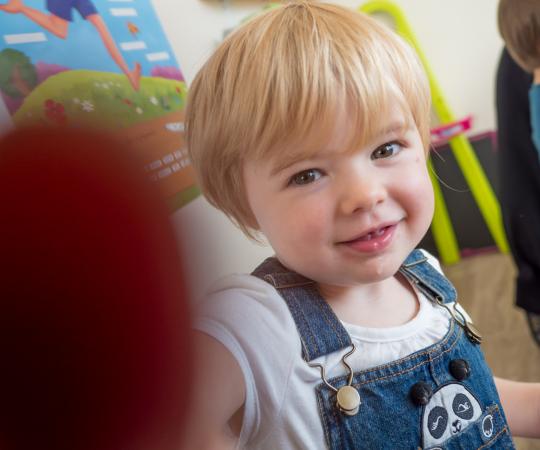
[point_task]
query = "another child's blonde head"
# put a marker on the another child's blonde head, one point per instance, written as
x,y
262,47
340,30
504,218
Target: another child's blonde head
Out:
x,y
283,78
519,25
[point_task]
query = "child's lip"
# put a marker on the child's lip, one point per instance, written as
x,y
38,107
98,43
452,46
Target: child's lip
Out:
x,y
376,240
372,230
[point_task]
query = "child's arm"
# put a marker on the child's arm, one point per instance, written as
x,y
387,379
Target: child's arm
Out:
x,y
521,404
218,393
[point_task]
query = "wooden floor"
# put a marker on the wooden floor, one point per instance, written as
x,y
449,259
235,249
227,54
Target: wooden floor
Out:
x,y
485,286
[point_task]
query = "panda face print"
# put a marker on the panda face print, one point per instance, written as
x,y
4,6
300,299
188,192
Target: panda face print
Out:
x,y
451,409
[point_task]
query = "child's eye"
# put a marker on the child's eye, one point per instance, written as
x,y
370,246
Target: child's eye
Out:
x,y
306,177
387,150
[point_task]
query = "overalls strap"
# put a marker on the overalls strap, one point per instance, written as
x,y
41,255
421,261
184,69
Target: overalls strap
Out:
x,y
427,279
320,330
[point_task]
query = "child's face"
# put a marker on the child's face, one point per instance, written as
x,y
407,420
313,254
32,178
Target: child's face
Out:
x,y
344,219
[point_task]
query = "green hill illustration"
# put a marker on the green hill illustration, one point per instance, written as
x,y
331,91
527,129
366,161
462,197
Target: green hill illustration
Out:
x,y
101,99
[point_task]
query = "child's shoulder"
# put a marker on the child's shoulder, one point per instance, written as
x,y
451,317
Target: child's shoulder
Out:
x,y
241,290
245,307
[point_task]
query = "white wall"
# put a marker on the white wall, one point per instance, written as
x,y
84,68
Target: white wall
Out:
x,y
458,37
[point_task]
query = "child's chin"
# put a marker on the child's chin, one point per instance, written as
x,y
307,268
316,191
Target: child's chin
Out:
x,y
380,271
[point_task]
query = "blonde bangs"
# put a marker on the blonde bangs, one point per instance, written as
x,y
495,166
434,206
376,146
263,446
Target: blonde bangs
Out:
x,y
283,79
324,59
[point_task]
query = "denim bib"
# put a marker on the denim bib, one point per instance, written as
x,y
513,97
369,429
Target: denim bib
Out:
x,y
442,397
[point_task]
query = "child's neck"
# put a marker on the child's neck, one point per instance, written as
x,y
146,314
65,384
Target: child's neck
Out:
x,y
387,303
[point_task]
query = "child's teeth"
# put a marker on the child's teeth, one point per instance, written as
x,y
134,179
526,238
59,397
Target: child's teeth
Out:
x,y
373,234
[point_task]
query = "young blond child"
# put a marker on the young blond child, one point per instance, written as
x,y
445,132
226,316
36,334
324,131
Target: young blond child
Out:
x,y
310,125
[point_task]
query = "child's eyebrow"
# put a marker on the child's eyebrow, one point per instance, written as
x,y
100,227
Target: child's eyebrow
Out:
x,y
286,163
395,127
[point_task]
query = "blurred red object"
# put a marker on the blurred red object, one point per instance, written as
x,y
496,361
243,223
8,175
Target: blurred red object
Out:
x,y
94,319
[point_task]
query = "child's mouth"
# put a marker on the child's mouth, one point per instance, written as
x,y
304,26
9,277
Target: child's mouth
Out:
x,y
373,234
373,241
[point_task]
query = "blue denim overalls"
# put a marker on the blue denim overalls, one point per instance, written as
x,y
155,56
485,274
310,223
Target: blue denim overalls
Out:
x,y
441,397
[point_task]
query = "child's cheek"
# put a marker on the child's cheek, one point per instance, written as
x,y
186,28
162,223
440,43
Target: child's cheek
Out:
x,y
312,232
314,220
418,175
420,192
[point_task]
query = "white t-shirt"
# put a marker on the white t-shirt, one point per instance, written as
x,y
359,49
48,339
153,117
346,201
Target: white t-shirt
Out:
x,y
252,320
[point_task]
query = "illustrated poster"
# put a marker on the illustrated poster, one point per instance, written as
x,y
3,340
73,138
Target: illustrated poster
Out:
x,y
99,62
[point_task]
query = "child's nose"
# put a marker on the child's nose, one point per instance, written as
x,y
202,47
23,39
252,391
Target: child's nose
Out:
x,y
363,192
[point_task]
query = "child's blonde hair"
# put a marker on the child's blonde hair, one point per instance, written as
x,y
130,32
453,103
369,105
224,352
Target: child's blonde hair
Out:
x,y
282,78
519,25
